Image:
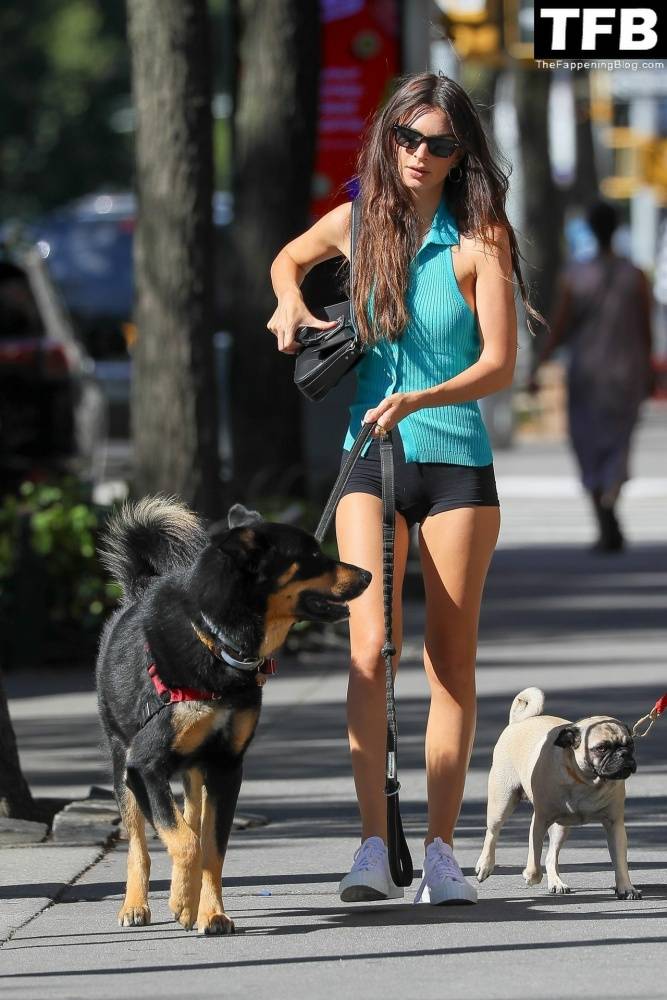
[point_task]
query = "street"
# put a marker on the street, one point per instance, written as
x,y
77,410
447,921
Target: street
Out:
x,y
588,629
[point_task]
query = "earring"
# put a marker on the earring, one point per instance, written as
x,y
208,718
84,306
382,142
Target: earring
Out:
x,y
457,179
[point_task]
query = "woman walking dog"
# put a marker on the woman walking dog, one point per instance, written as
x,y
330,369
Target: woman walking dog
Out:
x,y
434,301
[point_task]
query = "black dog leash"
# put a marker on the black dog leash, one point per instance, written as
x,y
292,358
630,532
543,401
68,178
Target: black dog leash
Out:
x,y
400,861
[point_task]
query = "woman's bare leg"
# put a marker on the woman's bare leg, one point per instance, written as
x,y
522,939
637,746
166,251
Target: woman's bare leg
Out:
x,y
456,547
359,532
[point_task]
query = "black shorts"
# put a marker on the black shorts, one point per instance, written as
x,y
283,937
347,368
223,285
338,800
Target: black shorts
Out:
x,y
423,488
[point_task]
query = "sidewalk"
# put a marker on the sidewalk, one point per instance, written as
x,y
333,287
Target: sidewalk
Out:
x,y
589,630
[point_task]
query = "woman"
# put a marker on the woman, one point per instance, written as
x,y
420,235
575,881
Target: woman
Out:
x,y
604,316
434,300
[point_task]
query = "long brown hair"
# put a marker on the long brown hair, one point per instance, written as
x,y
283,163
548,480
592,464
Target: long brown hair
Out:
x,y
389,232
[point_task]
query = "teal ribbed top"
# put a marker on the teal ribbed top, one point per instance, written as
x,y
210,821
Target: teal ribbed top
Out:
x,y
440,341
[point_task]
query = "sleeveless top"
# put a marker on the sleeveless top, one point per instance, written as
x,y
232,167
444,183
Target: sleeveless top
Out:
x,y
440,341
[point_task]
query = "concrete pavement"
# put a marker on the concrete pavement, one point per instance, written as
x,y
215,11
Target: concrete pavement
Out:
x,y
590,630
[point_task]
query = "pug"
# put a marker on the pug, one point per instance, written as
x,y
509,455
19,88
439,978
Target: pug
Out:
x,y
572,773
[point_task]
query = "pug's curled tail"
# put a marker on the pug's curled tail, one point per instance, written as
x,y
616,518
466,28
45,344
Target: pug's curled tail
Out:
x,y
527,703
149,538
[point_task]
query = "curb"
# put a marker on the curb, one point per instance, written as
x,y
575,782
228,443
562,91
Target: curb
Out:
x,y
21,832
96,820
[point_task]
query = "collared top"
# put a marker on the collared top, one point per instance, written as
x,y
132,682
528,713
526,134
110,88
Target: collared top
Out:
x,y
440,341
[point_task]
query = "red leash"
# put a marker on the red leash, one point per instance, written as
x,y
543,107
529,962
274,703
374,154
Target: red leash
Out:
x,y
657,710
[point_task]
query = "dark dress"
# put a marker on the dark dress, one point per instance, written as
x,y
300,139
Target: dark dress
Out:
x,y
608,370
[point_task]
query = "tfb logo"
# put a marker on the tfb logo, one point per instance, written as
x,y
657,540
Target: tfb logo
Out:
x,y
599,30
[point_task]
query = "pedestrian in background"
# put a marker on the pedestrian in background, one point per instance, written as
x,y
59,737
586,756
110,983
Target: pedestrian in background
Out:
x,y
434,300
603,317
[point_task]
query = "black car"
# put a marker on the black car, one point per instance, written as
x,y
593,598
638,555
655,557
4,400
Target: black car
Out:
x,y
52,410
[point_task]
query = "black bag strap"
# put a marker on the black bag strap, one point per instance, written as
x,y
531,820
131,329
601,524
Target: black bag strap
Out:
x,y
355,220
344,474
400,861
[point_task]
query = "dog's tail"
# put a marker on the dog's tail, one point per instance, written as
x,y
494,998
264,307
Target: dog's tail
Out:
x,y
527,703
148,538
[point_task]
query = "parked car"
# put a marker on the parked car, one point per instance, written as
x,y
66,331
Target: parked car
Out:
x,y
52,409
87,247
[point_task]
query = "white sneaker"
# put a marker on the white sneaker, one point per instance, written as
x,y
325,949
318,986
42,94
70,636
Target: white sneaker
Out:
x,y
443,882
369,877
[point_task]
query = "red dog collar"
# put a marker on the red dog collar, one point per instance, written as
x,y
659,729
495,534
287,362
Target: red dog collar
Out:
x,y
195,694
165,695
177,694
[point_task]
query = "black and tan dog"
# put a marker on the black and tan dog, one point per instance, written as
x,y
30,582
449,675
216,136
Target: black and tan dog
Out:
x,y
179,678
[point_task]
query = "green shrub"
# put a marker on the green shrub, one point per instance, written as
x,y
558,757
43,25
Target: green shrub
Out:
x,y
51,581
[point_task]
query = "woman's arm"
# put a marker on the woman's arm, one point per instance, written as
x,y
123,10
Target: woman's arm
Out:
x,y
496,313
329,237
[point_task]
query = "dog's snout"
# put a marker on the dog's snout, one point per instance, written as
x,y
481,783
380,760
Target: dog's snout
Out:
x,y
362,578
351,580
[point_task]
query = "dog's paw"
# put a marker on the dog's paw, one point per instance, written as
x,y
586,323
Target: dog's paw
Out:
x,y
484,868
214,923
184,896
186,916
184,909
628,893
533,876
134,916
558,887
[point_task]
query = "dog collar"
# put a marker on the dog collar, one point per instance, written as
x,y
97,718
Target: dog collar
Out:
x,y
171,695
162,695
219,645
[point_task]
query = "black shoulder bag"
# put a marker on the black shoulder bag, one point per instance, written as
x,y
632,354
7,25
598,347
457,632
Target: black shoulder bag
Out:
x,y
327,355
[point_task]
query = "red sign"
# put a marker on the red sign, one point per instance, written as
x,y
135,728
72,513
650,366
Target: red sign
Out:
x,y
360,57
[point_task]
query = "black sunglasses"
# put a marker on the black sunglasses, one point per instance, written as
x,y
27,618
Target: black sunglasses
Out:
x,y
437,145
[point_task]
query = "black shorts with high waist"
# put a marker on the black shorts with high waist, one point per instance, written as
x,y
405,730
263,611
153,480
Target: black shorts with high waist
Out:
x,y
423,488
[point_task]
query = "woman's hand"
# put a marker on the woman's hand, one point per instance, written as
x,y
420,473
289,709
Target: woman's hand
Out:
x,y
290,314
392,409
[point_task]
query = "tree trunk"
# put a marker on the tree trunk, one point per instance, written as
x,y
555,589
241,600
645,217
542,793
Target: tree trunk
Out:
x,y
275,131
15,797
174,411
585,188
543,203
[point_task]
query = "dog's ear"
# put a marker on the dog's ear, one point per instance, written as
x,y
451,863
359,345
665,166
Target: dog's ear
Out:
x,y
246,548
239,515
568,737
